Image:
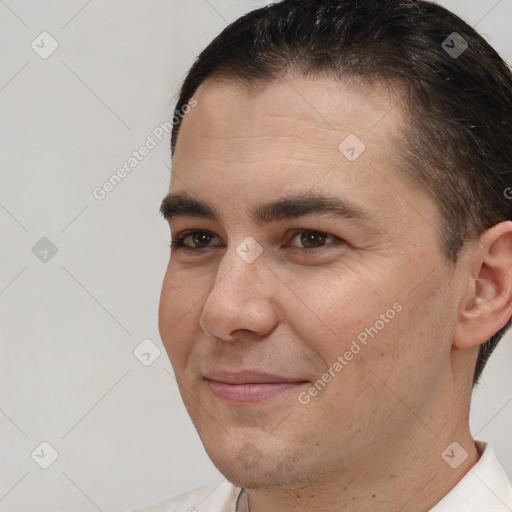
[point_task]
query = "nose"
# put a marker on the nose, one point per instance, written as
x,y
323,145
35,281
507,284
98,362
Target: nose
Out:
x,y
241,299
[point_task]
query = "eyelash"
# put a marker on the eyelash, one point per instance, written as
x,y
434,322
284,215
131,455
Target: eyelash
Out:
x,y
179,243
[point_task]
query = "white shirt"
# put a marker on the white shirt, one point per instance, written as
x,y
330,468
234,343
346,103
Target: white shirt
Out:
x,y
485,488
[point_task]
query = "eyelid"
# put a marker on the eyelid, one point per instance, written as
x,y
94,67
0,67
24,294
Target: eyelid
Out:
x,y
185,234
336,240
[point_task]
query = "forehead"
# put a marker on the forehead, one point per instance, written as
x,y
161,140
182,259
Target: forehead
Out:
x,y
319,110
312,122
241,146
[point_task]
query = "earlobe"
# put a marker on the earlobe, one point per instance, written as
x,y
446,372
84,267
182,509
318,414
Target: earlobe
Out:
x,y
488,305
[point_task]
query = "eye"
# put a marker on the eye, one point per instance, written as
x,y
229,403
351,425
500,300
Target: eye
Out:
x,y
193,240
312,240
308,240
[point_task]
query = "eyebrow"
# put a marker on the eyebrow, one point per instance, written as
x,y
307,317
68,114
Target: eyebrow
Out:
x,y
181,204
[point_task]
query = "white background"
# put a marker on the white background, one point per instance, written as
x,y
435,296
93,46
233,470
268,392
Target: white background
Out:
x,y
69,326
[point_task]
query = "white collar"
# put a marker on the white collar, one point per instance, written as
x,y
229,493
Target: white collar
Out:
x,y
485,487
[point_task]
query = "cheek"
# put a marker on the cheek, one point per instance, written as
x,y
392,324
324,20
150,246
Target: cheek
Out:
x,y
178,317
370,329
166,308
329,311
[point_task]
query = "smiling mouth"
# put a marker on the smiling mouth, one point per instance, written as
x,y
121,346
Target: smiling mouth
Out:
x,y
249,387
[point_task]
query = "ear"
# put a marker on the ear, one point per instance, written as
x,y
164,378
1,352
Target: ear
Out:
x,y
487,306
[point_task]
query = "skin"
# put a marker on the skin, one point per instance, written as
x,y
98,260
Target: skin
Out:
x,y
372,438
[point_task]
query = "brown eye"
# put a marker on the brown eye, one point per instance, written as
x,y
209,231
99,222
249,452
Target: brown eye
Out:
x,y
193,240
200,239
312,239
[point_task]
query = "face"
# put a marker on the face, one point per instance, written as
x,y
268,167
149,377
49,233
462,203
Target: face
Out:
x,y
304,338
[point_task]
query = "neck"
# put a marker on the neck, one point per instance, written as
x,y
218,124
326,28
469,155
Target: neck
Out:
x,y
408,474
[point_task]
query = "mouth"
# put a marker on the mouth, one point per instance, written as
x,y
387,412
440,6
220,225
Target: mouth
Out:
x,y
249,387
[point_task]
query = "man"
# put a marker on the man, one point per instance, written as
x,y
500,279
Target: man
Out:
x,y
341,263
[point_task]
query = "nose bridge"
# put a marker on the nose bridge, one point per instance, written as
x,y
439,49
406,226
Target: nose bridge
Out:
x,y
238,280
242,268
237,300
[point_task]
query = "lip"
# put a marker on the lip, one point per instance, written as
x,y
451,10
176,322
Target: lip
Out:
x,y
249,386
249,377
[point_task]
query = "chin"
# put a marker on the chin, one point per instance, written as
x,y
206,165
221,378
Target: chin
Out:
x,y
257,477
259,466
